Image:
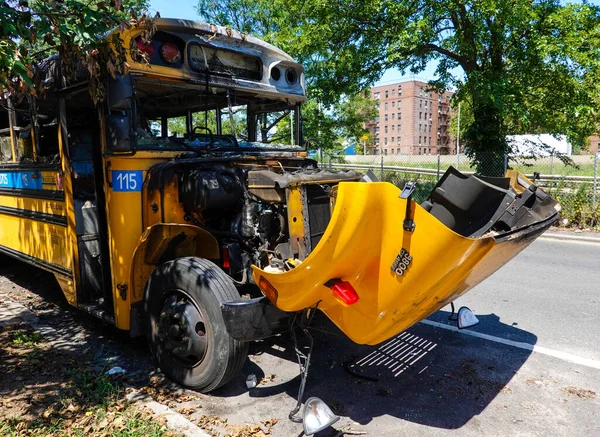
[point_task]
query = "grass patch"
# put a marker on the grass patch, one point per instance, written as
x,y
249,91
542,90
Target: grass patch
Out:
x,y
26,338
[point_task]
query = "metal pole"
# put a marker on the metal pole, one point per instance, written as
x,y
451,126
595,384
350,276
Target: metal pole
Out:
x,y
458,139
438,169
595,178
381,178
505,163
364,147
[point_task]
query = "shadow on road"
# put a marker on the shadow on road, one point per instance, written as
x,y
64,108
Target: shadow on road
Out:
x,y
425,375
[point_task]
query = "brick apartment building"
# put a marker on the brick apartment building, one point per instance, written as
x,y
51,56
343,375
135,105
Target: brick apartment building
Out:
x,y
412,120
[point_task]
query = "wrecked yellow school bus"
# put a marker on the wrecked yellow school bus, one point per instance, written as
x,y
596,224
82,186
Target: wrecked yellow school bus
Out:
x,y
184,207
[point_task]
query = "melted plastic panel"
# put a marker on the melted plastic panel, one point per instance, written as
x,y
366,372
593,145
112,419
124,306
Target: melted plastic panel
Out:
x,y
365,244
475,205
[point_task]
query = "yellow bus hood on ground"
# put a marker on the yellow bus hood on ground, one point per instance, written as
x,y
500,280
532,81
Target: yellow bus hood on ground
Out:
x,y
360,244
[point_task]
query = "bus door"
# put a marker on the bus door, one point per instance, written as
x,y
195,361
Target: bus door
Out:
x,y
83,134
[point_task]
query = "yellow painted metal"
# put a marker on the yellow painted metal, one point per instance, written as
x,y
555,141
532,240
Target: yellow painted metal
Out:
x,y
70,243
360,244
153,243
295,209
54,207
44,241
68,289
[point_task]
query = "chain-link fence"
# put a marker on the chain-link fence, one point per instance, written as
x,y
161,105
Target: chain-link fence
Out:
x,y
572,180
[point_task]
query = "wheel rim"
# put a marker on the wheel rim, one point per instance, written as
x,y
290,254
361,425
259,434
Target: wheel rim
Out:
x,y
182,328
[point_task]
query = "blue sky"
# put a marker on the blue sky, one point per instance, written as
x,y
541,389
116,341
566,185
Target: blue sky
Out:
x,y
186,9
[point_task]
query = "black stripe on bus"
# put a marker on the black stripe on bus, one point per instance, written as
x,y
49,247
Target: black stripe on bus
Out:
x,y
54,219
33,194
53,268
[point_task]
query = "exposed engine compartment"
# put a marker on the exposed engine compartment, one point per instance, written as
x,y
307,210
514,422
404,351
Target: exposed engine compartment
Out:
x,y
262,213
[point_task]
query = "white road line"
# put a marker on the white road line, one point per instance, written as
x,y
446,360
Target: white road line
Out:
x,y
565,356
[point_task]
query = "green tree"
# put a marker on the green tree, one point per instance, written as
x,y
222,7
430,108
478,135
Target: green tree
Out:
x,y
75,29
523,65
330,120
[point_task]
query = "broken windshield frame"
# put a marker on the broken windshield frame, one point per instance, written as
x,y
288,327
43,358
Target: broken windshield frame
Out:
x,y
183,116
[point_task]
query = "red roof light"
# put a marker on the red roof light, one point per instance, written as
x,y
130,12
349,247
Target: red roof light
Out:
x,y
170,53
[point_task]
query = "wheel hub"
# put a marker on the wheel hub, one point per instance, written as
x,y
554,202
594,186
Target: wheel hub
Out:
x,y
182,330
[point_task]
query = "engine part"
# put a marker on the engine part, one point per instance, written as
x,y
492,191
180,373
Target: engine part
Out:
x,y
249,213
203,190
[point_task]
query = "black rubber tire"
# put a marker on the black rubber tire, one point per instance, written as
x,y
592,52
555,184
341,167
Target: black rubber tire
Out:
x,y
208,286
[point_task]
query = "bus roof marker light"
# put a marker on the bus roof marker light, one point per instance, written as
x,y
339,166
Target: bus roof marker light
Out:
x,y
170,53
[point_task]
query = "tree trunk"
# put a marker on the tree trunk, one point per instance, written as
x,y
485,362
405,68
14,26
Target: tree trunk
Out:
x,y
486,139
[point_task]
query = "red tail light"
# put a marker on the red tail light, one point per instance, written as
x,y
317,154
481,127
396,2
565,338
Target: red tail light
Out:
x,y
225,257
344,291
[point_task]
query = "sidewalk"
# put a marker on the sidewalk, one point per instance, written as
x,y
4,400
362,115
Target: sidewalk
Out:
x,y
569,235
60,346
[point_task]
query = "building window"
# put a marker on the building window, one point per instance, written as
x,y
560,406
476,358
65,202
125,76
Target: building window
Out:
x,y
392,125
399,139
386,94
385,151
430,143
392,151
385,117
429,128
385,141
393,116
386,106
398,128
420,115
419,140
393,92
393,104
377,118
425,103
420,130
386,129
420,92
420,104
392,139
399,115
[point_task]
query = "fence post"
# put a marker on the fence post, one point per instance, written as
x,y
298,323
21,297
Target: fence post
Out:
x,y
329,162
505,163
595,178
438,169
381,173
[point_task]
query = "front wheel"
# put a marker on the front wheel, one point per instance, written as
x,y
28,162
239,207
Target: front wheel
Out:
x,y
185,327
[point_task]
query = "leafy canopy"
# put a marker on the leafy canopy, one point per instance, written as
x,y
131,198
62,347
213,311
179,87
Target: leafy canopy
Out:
x,y
523,65
75,29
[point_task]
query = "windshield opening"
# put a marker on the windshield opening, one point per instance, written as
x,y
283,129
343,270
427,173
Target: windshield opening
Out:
x,y
182,116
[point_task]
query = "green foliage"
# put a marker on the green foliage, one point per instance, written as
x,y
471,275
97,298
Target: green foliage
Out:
x,y
26,338
577,203
524,66
75,29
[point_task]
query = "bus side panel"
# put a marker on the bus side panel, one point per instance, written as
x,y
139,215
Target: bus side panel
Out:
x,y
33,222
124,180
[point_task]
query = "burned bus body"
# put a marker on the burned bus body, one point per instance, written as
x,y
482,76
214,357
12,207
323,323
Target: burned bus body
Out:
x,y
184,208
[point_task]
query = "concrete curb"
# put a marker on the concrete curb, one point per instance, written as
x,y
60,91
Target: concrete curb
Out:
x,y
567,237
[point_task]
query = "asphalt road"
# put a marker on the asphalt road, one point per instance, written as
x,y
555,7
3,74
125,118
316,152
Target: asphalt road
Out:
x,y
547,298
530,368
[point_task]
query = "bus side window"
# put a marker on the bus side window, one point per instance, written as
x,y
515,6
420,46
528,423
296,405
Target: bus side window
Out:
x,y
5,143
22,131
47,130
